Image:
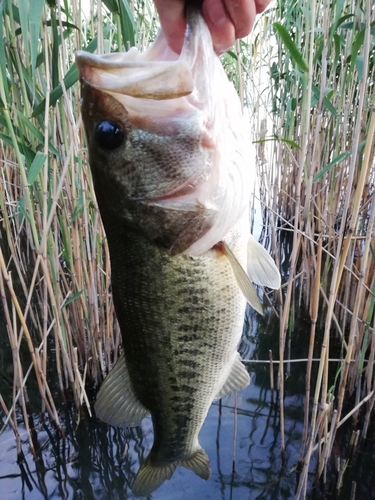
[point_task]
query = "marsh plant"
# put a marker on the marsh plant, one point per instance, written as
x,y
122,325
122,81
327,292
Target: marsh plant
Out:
x,y
306,76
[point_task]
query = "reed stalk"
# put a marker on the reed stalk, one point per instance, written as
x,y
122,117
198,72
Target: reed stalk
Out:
x,y
54,263
307,77
320,117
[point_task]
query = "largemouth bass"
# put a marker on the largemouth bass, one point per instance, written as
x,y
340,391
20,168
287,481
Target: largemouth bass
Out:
x,y
172,179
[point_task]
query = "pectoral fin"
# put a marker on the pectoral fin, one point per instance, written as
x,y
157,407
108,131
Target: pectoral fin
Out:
x,y
237,379
261,267
116,403
242,278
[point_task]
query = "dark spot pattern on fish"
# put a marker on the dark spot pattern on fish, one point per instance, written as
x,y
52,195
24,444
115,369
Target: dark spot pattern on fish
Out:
x,y
189,350
189,338
187,375
179,349
180,399
188,328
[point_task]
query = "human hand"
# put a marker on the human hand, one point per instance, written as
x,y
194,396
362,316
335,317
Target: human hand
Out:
x,y
227,20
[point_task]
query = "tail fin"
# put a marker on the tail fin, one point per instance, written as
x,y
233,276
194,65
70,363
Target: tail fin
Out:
x,y
151,475
198,463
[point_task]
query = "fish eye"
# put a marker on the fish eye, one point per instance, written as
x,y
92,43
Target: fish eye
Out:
x,y
109,135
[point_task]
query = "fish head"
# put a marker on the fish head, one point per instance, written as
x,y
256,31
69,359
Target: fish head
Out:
x,y
164,147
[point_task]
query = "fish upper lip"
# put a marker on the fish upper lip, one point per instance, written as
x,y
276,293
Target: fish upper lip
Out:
x,y
184,190
159,80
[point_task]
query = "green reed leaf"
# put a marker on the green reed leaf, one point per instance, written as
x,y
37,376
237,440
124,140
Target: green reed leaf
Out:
x,y
289,142
326,102
56,40
36,167
335,161
112,5
359,63
23,11
70,79
75,297
35,19
127,24
291,46
353,25
36,133
2,49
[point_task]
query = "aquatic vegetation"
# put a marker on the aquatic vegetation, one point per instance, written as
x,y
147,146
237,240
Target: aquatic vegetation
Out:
x,y
306,77
317,182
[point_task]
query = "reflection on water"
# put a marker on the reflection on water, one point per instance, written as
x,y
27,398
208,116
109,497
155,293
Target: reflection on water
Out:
x,y
99,461
96,461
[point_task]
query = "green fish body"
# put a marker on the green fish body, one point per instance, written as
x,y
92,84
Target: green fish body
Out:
x,y
181,319
172,180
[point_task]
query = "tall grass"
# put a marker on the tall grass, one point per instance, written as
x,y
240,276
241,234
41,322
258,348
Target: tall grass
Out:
x,y
317,182
307,77
55,273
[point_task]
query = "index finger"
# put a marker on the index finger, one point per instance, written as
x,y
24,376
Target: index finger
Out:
x,y
173,22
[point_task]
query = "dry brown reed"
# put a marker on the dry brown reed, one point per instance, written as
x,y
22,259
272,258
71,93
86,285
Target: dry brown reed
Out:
x,y
54,260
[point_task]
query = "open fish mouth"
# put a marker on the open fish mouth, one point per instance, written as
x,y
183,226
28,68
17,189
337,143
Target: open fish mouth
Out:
x,y
130,74
156,74
182,111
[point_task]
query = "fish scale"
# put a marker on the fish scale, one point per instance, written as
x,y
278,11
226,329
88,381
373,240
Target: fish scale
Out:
x,y
171,172
170,321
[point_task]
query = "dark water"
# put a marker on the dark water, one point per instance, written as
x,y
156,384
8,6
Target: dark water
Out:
x,y
96,461
100,462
